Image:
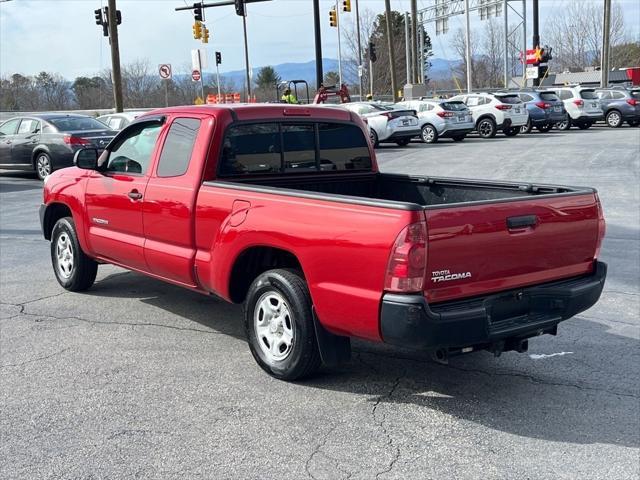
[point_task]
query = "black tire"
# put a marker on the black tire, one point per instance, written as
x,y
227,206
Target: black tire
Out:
x,y
374,138
566,125
459,138
584,125
633,123
614,119
403,142
42,165
84,269
526,128
544,128
429,134
303,358
486,128
511,131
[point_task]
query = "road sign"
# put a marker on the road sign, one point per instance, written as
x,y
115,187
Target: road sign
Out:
x,y
198,59
196,75
534,56
360,70
164,70
532,72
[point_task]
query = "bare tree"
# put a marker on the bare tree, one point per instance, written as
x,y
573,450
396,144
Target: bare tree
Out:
x,y
459,45
138,84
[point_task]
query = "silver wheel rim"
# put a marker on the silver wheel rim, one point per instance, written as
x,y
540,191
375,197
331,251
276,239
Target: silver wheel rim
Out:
x,y
485,128
562,125
372,136
526,128
428,134
274,326
614,119
43,165
64,255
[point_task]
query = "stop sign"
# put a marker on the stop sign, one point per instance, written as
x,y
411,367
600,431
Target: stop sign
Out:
x,y
195,75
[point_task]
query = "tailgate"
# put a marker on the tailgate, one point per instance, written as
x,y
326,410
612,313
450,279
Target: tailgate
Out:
x,y
489,247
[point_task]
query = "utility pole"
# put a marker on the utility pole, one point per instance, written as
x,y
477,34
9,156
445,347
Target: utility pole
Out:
x,y
116,75
360,72
246,53
407,46
505,7
392,55
524,43
318,41
339,44
606,32
414,42
536,36
468,44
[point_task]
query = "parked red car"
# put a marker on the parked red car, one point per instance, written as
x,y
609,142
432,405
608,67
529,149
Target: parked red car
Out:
x,y
282,208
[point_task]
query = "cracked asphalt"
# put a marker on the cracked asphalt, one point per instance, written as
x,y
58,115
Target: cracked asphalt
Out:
x,y
140,379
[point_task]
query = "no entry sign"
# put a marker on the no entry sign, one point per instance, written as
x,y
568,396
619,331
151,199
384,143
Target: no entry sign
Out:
x,y
196,75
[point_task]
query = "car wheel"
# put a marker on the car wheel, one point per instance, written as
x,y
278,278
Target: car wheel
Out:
x,y
584,125
458,138
564,125
544,128
487,128
633,123
429,134
511,131
374,138
279,325
614,119
43,165
74,270
526,128
403,142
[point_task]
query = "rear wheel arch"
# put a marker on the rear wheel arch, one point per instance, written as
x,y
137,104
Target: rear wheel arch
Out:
x,y
53,213
36,151
486,115
254,261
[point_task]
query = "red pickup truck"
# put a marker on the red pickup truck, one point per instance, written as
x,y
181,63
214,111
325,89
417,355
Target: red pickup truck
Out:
x,y
283,209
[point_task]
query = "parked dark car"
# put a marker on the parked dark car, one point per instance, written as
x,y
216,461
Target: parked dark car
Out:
x,y
47,142
619,106
545,110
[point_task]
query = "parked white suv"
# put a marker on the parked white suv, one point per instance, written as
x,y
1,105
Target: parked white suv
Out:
x,y
582,104
385,123
440,119
493,112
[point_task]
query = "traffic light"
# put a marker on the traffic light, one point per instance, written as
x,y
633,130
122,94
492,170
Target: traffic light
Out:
x,y
218,58
239,7
98,14
197,12
102,19
372,52
346,5
197,30
546,54
333,17
205,35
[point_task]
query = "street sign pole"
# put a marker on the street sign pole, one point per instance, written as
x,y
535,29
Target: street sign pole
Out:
x,y
166,93
218,78
165,72
201,75
339,46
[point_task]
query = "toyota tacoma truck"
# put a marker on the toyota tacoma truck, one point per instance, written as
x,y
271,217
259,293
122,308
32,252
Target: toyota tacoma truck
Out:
x,y
283,209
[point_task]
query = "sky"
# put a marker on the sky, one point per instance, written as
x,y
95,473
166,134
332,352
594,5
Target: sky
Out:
x,y
61,36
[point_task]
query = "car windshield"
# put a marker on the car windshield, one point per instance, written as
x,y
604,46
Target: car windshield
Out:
x,y
453,106
588,94
548,96
509,99
68,124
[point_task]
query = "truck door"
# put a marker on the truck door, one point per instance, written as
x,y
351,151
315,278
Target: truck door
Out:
x,y
114,197
170,198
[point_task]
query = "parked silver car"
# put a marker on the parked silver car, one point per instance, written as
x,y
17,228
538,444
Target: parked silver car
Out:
x,y
620,105
117,121
440,118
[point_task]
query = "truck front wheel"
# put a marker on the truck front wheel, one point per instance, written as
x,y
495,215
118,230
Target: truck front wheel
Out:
x,y
74,270
279,325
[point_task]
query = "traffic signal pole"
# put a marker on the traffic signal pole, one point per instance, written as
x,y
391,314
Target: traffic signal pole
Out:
x,y
604,58
318,41
116,75
390,45
536,36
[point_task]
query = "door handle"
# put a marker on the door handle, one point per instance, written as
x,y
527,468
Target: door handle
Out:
x,y
134,195
522,222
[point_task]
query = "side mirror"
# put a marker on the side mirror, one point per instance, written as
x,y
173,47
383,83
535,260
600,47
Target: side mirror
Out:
x,y
86,158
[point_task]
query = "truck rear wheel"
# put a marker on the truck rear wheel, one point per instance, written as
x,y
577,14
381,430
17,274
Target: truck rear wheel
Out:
x,y
279,325
74,270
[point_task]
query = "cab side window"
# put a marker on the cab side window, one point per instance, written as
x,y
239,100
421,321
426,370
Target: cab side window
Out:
x,y
177,149
133,152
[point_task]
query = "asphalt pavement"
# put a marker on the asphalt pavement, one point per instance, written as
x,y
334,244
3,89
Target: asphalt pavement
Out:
x,y
139,379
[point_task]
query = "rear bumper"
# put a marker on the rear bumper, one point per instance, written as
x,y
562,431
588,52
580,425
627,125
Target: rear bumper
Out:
x,y
409,321
399,135
454,132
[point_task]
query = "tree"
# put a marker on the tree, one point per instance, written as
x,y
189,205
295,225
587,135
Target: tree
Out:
x,y
331,78
626,54
92,92
139,85
267,78
53,90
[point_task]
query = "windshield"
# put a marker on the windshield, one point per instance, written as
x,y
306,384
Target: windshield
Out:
x,y
68,124
588,94
548,96
509,99
453,106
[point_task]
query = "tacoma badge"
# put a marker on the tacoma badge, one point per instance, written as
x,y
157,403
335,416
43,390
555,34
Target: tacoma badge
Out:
x,y
446,276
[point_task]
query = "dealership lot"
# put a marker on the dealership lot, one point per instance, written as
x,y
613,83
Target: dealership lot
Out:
x,y
136,378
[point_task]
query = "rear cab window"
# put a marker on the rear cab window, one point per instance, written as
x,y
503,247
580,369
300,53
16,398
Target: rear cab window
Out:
x,y
293,147
588,94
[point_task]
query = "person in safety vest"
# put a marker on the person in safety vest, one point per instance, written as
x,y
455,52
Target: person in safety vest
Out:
x,y
289,97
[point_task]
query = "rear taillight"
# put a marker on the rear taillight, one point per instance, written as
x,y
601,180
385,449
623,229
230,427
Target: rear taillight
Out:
x,y
408,260
543,105
387,114
579,103
71,140
602,227
444,114
632,101
502,106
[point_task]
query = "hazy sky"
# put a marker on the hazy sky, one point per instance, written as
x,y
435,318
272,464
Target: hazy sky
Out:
x,y
61,36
